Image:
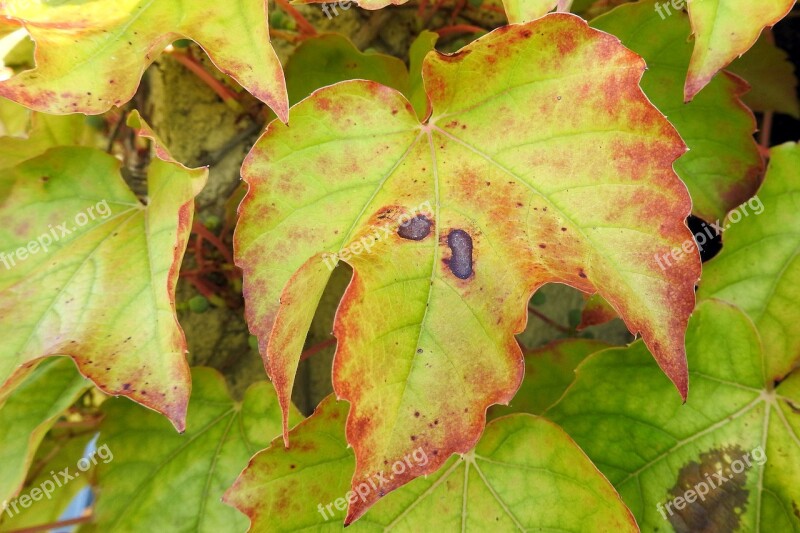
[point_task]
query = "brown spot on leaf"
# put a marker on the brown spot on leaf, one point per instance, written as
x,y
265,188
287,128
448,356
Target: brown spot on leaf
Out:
x,y
723,471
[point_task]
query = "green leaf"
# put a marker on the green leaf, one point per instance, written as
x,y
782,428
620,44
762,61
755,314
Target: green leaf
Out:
x,y
525,474
548,372
13,118
771,76
621,411
45,132
759,266
723,31
29,413
69,227
424,43
723,166
331,58
90,56
60,449
159,480
451,225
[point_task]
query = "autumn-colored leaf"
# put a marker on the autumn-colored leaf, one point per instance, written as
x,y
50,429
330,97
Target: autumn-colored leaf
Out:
x,y
759,266
525,474
735,441
515,180
723,31
155,468
69,227
723,166
597,311
28,413
91,56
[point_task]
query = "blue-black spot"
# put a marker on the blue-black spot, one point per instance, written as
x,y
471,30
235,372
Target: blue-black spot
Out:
x,y
415,229
460,244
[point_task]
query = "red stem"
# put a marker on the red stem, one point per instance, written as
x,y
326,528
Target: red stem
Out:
x,y
304,25
54,525
458,28
227,95
200,229
316,348
546,319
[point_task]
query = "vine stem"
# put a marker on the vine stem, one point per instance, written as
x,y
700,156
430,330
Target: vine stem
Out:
x,y
304,25
546,319
458,28
201,230
228,96
54,525
317,348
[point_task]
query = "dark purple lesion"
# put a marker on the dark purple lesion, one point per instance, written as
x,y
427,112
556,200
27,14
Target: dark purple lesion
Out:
x,y
415,229
460,244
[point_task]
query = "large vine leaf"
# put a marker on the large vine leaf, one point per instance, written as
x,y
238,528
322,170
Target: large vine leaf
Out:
x,y
759,266
154,468
525,474
654,449
29,413
723,167
521,176
90,56
723,31
62,295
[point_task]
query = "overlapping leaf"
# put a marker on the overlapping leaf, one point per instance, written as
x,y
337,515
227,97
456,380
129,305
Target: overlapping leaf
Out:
x,y
159,480
69,228
29,413
521,176
759,266
736,441
548,372
723,31
723,167
91,55
524,475
527,10
773,83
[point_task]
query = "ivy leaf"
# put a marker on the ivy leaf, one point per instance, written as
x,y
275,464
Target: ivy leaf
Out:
x,y
521,476
91,56
424,43
596,311
653,449
330,58
29,413
69,227
759,266
548,372
153,467
723,166
527,10
723,31
771,76
452,224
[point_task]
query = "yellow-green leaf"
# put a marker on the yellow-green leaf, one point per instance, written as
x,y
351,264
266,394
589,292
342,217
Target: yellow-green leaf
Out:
x,y
759,266
90,56
69,228
520,177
